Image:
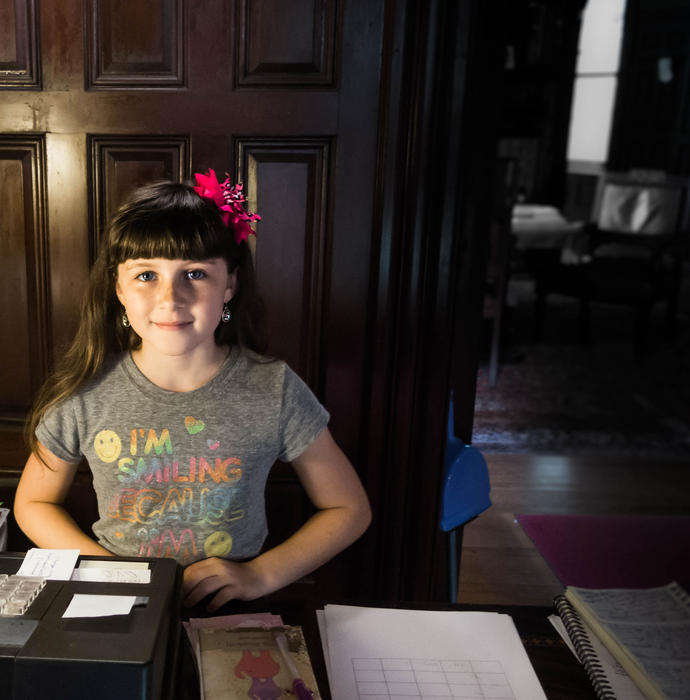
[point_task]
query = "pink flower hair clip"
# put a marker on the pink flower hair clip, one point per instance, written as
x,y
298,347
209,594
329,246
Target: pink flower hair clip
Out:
x,y
230,201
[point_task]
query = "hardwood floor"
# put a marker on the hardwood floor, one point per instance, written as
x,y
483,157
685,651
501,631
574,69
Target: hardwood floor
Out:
x,y
500,564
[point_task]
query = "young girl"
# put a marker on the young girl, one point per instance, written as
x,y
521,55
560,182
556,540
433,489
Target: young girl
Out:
x,y
166,393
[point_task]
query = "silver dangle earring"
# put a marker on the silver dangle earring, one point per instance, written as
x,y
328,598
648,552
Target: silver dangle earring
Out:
x,y
226,315
125,320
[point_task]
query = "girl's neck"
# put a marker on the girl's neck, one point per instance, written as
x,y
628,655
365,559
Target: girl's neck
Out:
x,y
180,373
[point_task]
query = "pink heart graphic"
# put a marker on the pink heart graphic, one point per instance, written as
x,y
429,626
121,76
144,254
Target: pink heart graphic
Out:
x,y
213,444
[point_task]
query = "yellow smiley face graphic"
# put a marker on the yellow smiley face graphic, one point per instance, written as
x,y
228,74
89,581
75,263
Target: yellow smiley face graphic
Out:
x,y
107,445
218,544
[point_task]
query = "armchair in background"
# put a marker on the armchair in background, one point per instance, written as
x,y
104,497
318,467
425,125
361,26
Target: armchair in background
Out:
x,y
636,245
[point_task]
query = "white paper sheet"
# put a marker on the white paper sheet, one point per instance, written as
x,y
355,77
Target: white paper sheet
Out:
x,y
112,575
385,653
323,633
88,605
556,621
54,564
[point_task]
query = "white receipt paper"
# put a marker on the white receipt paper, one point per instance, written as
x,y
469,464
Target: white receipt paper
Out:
x,y
393,653
88,605
112,575
54,564
112,571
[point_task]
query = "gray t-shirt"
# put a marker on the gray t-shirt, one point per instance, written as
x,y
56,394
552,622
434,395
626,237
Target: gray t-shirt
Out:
x,y
183,474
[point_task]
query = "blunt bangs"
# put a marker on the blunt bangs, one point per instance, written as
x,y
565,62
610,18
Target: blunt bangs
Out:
x,y
169,221
171,242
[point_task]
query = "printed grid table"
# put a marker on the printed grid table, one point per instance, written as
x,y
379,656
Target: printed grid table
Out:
x,y
429,679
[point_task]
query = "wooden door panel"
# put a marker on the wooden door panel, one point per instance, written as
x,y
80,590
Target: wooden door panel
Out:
x,y
281,43
120,164
127,48
23,273
287,182
19,58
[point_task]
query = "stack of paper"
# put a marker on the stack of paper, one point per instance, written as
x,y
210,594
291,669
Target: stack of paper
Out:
x,y
385,653
239,656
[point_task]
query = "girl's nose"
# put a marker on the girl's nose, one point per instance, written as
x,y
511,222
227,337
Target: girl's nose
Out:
x,y
171,293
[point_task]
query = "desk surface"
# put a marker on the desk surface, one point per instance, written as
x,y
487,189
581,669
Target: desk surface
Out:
x,y
561,676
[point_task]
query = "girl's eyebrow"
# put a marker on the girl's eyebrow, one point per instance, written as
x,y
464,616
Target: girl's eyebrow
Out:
x,y
131,264
150,262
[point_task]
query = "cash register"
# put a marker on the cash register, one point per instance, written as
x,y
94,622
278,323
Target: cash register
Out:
x,y
44,654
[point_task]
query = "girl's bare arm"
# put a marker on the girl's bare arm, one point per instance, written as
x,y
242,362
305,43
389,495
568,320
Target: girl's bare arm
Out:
x,y
342,515
38,505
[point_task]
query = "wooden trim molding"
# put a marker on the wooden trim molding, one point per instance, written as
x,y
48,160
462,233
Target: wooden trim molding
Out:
x,y
24,72
434,187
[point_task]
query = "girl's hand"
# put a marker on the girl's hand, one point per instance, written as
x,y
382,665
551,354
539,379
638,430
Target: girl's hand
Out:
x,y
229,580
342,514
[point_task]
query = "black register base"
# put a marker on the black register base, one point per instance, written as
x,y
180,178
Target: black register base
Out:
x,y
44,655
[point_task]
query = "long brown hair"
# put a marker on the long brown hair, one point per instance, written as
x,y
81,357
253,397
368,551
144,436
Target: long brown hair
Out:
x,y
162,220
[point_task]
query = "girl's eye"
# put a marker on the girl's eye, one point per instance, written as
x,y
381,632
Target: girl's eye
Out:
x,y
145,276
196,275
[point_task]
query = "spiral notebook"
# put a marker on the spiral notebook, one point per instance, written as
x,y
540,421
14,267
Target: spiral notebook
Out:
x,y
647,631
609,679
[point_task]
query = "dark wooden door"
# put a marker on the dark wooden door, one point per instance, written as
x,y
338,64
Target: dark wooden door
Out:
x,y
100,96
363,130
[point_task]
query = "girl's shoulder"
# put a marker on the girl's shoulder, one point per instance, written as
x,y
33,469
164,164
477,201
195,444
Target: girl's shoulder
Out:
x,y
110,371
264,375
110,375
253,367
87,392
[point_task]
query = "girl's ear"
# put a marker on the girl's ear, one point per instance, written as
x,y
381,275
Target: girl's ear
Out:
x,y
231,289
118,291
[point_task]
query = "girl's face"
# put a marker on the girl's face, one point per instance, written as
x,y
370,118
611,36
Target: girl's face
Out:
x,y
174,306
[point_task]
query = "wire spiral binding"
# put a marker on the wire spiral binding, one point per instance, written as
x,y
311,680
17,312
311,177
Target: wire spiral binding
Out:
x,y
585,652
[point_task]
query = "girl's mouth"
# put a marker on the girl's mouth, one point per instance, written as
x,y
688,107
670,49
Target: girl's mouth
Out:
x,y
171,326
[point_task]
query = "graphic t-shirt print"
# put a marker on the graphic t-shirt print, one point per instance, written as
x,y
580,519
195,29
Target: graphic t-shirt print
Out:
x,y
181,509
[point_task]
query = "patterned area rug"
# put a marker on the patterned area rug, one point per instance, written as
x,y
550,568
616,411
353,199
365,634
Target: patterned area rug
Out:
x,y
560,396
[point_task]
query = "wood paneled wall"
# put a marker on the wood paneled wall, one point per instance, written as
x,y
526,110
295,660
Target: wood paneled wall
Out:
x,y
362,131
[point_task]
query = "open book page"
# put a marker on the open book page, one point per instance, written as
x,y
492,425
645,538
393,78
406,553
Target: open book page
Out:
x,y
385,653
647,630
